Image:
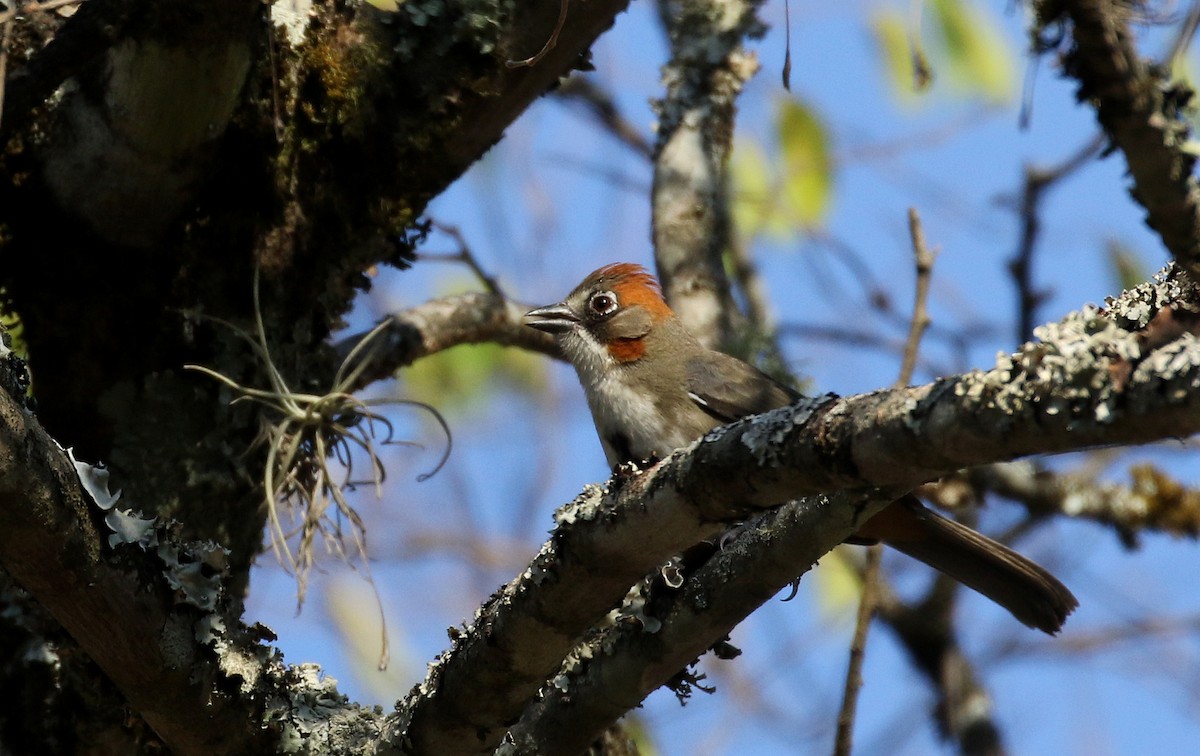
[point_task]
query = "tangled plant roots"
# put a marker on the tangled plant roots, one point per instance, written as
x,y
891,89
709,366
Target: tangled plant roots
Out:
x,y
303,432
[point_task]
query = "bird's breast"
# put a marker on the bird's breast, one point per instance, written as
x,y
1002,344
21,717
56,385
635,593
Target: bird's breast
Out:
x,y
636,424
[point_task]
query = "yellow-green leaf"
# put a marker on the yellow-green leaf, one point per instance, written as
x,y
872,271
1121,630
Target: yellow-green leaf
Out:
x,y
351,604
807,164
978,60
908,70
459,377
755,199
838,586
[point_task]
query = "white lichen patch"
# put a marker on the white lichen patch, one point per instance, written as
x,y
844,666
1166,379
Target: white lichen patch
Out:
x,y
1134,309
1086,366
1064,372
94,480
197,577
128,527
293,16
1173,366
583,507
312,701
764,434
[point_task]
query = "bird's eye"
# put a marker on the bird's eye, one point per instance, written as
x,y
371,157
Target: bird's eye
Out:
x,y
603,303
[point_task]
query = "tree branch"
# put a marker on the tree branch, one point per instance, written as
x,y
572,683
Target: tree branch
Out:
x,y
1139,386
150,617
1139,362
1141,110
964,710
1153,502
444,323
616,668
51,545
690,205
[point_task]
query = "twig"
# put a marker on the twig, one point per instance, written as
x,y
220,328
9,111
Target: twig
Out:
x,y
550,42
922,71
786,73
923,258
764,343
464,255
1151,501
920,315
1036,182
439,324
858,648
601,105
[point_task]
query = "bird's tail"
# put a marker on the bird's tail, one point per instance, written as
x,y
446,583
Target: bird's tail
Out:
x,y
1033,595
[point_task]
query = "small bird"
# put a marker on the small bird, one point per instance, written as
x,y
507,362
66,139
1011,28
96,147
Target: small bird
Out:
x,y
652,388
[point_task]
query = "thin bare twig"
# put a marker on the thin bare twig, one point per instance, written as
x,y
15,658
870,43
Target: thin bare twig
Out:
x,y
844,738
550,42
787,47
923,259
464,255
602,106
920,316
1036,182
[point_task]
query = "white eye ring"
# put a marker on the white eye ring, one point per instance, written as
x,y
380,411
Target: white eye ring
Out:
x,y
603,303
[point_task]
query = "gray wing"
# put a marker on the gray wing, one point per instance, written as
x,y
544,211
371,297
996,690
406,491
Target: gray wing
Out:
x,y
727,388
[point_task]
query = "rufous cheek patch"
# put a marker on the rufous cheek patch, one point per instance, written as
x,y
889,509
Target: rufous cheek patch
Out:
x,y
627,350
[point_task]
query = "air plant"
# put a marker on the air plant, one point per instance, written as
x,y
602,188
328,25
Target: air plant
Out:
x,y
303,432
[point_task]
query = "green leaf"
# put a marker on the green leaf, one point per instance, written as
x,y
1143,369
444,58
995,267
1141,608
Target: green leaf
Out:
x,y
908,70
777,197
458,378
838,587
978,59
807,164
755,207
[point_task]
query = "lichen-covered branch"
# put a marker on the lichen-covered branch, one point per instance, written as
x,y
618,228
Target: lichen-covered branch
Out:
x,y
626,660
1141,109
690,206
1152,501
148,610
444,323
1128,374
50,544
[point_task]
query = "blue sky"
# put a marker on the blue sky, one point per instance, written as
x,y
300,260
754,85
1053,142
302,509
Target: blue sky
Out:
x,y
558,198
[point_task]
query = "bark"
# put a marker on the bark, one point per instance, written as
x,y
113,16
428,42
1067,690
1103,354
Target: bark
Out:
x,y
692,227
152,618
1142,109
155,153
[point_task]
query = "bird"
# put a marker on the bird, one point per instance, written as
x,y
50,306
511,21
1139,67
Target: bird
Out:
x,y
652,387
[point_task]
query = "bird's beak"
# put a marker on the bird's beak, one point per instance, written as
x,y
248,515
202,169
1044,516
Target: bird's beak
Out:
x,y
555,318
